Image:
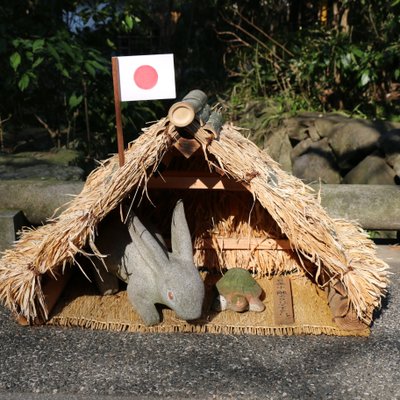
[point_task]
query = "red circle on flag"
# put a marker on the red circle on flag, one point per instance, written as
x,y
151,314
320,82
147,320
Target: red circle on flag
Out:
x,y
145,77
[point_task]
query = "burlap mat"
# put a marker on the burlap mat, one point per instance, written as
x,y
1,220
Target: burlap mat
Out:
x,y
81,306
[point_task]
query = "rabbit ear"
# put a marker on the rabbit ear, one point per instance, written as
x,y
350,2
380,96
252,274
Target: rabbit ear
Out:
x,y
181,242
147,245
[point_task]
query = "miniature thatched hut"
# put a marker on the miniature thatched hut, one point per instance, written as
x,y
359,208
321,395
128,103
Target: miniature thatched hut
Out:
x,y
243,211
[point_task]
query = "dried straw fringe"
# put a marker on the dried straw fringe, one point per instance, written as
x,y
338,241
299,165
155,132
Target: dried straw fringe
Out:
x,y
338,249
217,329
232,215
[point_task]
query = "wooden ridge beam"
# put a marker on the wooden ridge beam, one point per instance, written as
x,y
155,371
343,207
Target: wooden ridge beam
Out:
x,y
193,180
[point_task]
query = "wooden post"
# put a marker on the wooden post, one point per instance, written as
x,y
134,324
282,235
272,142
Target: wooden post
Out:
x,y
118,116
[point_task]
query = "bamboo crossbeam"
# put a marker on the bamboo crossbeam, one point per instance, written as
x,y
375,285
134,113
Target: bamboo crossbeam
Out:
x,y
183,112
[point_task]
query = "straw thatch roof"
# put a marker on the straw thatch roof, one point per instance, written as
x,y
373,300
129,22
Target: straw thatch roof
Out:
x,y
339,251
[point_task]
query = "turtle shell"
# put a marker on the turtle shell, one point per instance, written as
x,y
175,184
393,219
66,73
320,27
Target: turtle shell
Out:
x,y
238,280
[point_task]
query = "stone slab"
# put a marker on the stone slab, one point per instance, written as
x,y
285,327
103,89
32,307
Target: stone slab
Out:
x,y
11,221
37,199
375,207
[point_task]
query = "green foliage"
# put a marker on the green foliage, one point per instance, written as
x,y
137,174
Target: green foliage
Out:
x,y
58,71
55,59
354,66
62,53
350,74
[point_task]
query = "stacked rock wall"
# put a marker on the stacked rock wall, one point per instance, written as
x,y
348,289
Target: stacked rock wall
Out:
x,y
332,148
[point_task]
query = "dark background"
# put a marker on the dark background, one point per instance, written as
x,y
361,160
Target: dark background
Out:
x,y
55,61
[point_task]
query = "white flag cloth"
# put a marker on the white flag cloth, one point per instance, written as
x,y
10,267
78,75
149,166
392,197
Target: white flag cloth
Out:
x,y
147,77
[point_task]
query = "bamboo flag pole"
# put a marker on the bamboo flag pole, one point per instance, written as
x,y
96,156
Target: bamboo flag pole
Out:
x,y
118,115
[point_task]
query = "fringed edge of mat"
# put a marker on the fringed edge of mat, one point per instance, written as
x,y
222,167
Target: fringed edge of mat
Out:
x,y
284,330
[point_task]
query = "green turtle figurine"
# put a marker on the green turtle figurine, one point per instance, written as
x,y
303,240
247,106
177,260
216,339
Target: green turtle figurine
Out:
x,y
238,291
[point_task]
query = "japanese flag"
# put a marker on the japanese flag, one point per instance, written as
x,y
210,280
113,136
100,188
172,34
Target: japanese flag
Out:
x,y
148,77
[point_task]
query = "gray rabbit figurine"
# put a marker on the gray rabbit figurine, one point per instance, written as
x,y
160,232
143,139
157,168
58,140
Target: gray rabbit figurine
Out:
x,y
153,274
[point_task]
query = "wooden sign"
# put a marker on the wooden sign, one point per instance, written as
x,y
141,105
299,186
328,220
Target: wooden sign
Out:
x,y
283,301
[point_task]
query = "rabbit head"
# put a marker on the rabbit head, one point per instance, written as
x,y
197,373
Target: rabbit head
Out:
x,y
182,290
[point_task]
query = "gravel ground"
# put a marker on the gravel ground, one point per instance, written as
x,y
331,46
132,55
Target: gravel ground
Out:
x,y
60,363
